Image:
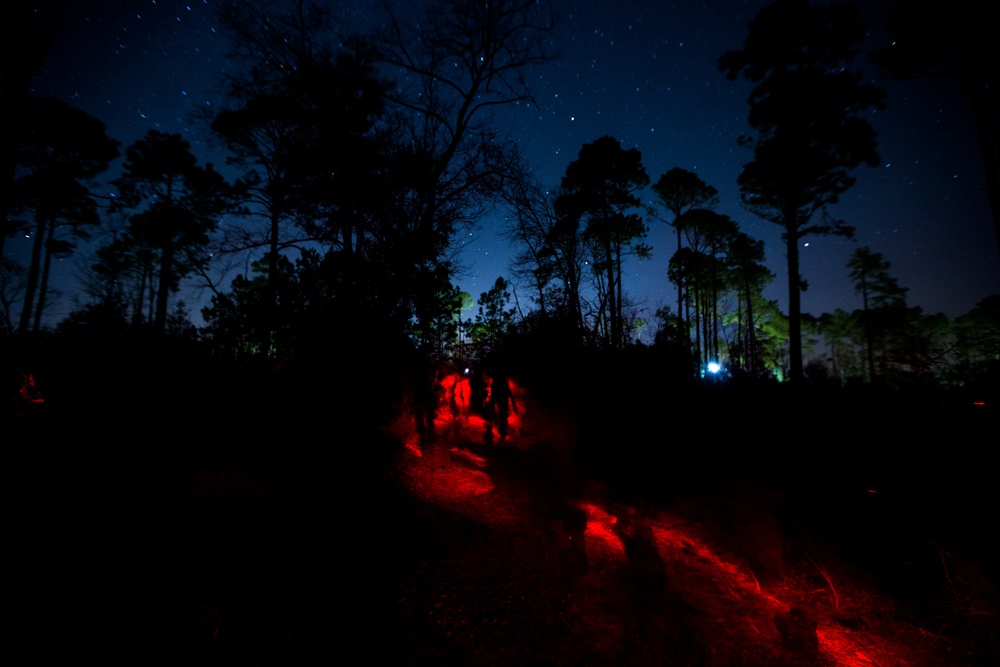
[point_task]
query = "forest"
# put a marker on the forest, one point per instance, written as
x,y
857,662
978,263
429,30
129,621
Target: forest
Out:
x,y
354,161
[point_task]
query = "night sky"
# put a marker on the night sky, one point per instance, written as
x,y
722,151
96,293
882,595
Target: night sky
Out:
x,y
642,72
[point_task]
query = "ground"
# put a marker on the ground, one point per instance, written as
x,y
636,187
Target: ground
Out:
x,y
517,574
222,534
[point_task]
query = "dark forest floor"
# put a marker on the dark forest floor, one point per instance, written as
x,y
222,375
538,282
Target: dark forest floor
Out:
x,y
255,528
736,565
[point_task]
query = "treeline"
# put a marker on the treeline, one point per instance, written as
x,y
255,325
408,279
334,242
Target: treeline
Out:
x,y
355,160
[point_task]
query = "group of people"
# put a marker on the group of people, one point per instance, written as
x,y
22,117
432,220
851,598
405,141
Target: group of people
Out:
x,y
488,394
497,400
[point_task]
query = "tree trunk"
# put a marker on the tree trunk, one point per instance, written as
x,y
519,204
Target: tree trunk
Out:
x,y
697,322
869,342
44,286
163,292
794,301
33,271
715,308
680,280
614,332
619,312
751,336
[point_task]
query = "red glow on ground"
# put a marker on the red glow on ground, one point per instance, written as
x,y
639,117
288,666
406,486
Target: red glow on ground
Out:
x,y
836,619
674,543
412,444
602,542
448,476
852,649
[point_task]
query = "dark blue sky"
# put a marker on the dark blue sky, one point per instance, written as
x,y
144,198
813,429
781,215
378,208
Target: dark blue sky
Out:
x,y
642,72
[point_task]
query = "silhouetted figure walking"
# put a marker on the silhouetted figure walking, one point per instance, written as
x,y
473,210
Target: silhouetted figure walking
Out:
x,y
499,405
425,397
458,390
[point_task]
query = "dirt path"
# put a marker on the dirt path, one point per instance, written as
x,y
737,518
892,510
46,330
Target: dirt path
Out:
x,y
459,553
513,573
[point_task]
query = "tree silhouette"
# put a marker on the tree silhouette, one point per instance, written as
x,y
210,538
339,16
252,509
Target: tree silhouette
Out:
x,y
551,251
116,279
683,270
978,339
840,333
27,35
62,150
454,62
533,221
679,191
745,258
378,148
269,306
494,319
11,291
308,137
272,40
177,206
600,188
959,43
707,234
259,137
806,111
880,294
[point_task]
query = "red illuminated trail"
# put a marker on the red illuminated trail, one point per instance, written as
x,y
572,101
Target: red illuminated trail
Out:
x,y
515,571
273,519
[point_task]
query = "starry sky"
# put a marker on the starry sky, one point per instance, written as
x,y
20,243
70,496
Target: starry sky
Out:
x,y
644,73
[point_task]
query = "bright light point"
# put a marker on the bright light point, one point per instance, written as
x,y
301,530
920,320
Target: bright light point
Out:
x,y
805,245
572,118
714,367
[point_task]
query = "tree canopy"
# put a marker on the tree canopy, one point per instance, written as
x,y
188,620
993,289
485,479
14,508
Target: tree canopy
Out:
x,y
807,112
357,162
61,151
600,188
177,205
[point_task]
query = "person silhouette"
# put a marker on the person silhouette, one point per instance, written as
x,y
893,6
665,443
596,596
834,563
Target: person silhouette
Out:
x,y
482,388
425,387
457,388
499,404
